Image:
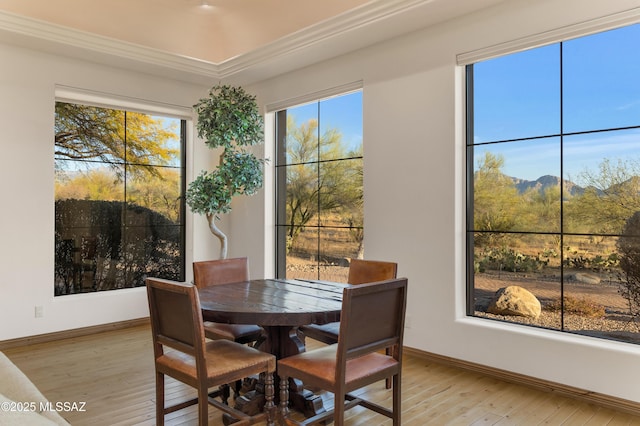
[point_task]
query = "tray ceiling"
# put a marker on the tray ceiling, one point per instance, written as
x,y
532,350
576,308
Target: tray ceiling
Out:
x,y
248,39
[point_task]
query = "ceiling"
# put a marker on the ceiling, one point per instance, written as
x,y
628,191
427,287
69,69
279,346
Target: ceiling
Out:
x,y
246,39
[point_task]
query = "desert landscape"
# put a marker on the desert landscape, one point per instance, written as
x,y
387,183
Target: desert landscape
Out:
x,y
595,294
594,298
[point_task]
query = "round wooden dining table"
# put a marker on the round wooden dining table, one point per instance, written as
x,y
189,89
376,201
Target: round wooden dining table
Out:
x,y
280,306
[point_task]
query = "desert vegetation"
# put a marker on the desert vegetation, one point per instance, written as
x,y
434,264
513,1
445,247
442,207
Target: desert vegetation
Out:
x,y
118,208
323,217
576,248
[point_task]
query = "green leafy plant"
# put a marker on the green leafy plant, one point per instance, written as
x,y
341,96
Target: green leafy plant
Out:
x,y
229,118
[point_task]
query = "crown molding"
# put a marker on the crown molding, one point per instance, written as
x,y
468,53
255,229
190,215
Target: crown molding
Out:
x,y
332,28
75,43
49,33
628,17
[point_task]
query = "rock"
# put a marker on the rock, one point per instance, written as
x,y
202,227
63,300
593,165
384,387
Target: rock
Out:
x,y
515,300
587,278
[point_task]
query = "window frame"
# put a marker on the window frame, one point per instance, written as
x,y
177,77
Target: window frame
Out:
x,y
279,113
466,62
72,95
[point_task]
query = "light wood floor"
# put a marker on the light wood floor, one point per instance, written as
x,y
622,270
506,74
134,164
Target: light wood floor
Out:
x,y
113,373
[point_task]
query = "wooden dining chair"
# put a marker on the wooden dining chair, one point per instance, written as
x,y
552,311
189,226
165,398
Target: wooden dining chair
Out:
x,y
369,271
372,319
360,272
225,271
176,323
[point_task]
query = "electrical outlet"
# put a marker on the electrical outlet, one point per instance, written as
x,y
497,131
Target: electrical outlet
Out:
x,y
39,311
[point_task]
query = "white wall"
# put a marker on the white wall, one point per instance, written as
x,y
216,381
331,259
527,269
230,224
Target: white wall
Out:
x,y
414,202
414,207
27,92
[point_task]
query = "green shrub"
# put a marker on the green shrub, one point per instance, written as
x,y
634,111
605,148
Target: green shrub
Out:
x,y
507,259
596,263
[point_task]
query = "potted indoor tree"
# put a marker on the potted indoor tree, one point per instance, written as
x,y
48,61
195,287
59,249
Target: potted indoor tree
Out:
x,y
229,119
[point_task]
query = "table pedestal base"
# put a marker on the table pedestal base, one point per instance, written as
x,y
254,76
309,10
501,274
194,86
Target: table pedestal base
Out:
x,y
307,403
300,399
282,342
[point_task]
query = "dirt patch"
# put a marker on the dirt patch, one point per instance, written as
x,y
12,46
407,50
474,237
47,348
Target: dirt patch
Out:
x,y
308,269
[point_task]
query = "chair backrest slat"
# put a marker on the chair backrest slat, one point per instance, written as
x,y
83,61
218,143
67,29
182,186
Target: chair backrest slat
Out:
x,y
369,271
372,317
220,271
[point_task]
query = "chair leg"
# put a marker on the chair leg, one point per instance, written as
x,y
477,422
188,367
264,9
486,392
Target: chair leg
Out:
x,y
203,406
387,381
269,406
338,409
284,398
397,400
237,388
225,393
159,399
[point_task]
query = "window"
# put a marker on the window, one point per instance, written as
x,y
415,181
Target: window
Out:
x,y
319,195
119,204
553,166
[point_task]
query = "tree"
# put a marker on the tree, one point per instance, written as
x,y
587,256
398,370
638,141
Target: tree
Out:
x,y
325,187
543,206
228,119
540,210
158,193
495,200
610,197
95,184
354,213
112,136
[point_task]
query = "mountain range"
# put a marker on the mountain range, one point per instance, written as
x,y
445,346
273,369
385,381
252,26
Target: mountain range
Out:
x,y
544,182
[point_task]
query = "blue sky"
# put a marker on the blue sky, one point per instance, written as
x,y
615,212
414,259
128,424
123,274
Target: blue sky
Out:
x,y
342,112
519,96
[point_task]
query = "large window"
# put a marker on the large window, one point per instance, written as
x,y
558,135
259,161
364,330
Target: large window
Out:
x,y
119,204
553,194
319,188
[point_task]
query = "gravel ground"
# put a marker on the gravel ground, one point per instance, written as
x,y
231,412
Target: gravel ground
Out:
x,y
617,324
615,327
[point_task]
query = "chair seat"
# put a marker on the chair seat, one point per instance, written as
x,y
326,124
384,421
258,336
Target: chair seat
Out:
x,y
226,361
321,364
241,333
325,333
